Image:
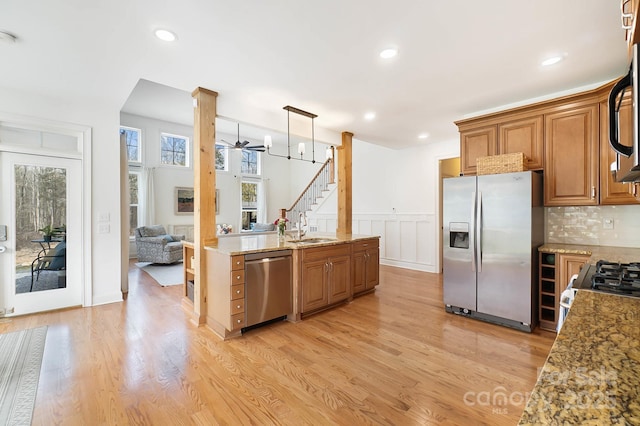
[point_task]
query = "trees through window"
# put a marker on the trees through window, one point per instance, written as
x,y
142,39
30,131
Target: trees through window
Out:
x,y
133,143
174,150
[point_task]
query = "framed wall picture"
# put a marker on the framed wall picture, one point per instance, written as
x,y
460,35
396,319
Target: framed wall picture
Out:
x,y
184,200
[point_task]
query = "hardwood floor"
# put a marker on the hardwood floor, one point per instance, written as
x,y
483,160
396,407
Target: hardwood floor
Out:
x,y
391,357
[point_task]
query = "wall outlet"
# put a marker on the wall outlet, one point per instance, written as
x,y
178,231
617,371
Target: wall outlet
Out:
x,y
607,223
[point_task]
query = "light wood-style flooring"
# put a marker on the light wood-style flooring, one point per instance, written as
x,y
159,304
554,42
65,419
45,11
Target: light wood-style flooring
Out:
x,y
393,357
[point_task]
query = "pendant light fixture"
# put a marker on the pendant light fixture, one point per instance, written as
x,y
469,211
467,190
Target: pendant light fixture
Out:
x,y
268,143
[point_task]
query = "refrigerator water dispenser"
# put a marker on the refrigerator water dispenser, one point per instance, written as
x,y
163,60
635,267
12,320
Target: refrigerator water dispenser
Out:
x,y
459,235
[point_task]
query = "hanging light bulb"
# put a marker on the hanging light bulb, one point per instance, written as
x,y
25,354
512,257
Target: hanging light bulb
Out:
x,y
329,153
268,143
301,148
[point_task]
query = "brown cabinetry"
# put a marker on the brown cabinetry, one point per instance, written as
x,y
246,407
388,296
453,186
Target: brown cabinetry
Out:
x,y
325,276
555,274
189,274
225,293
505,135
612,192
571,156
365,259
474,143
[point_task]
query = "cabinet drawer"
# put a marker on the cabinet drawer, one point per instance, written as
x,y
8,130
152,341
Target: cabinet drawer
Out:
x,y
237,321
237,263
365,245
237,277
237,306
317,253
237,292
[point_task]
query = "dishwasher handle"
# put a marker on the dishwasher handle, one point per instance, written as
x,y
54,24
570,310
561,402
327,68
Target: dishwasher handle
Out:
x,y
266,260
267,255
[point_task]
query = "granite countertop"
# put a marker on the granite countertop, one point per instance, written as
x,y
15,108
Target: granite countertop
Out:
x,y
592,374
612,254
248,243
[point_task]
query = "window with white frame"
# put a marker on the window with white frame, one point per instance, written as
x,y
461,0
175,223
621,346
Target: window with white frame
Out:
x,y
249,204
222,158
174,150
135,181
133,143
250,164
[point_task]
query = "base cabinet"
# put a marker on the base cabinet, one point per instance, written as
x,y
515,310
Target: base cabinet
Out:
x,y
365,260
188,271
325,276
225,293
556,271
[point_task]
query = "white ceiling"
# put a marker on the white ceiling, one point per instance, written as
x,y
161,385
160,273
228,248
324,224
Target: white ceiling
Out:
x,y
455,58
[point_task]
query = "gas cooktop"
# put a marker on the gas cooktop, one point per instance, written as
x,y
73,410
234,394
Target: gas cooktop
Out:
x,y
614,277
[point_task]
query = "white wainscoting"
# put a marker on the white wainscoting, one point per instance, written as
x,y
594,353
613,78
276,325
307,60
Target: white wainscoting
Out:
x,y
406,240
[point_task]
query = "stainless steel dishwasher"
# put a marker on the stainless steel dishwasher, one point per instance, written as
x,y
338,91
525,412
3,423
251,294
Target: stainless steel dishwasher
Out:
x,y
268,286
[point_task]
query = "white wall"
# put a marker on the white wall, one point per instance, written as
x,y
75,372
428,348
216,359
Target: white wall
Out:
x,y
395,195
104,121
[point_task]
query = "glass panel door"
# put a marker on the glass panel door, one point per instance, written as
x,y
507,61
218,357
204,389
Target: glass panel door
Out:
x,y
41,202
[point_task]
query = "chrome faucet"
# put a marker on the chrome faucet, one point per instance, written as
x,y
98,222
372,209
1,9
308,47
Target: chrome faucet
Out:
x,y
302,218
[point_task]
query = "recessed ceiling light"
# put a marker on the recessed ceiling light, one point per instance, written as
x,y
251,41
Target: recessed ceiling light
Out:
x,y
8,37
389,53
370,116
165,35
552,60
423,135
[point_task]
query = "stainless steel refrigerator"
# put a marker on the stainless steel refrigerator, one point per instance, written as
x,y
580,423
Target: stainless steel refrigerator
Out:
x,y
493,225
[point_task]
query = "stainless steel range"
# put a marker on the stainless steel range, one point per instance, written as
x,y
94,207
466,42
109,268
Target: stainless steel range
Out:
x,y
612,277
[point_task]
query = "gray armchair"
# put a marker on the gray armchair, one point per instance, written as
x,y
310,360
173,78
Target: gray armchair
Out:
x,y
153,244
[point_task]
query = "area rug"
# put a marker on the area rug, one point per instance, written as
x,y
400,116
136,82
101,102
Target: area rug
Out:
x,y
20,363
164,275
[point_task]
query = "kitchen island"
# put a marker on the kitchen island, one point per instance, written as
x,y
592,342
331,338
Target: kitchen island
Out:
x,y
328,269
592,374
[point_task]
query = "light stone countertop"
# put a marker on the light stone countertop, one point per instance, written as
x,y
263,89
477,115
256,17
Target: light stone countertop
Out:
x,y
258,243
612,254
592,374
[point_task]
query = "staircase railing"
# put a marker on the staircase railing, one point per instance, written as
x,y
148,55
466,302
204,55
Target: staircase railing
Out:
x,y
313,191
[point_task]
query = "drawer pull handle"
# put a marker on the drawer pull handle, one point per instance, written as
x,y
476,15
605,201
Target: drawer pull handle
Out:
x,y
238,321
238,277
238,262
237,291
237,306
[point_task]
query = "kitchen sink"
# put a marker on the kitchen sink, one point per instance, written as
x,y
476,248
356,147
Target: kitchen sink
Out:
x,y
313,240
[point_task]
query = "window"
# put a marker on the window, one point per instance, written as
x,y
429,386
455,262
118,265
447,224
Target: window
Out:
x,y
134,201
250,162
132,139
222,159
249,204
174,150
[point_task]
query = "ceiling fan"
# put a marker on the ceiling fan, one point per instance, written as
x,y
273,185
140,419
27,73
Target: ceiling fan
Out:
x,y
243,145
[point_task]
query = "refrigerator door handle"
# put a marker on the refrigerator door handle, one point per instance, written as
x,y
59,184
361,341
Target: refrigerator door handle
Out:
x,y
473,232
478,218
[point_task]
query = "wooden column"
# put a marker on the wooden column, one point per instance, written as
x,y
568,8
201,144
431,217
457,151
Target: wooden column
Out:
x,y
204,185
344,184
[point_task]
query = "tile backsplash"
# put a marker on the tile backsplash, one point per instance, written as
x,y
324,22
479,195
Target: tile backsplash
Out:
x,y
589,225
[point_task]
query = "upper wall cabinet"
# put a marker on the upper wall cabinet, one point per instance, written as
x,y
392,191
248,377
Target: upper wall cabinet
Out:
x,y
612,192
566,137
571,156
506,135
474,143
523,135
629,22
